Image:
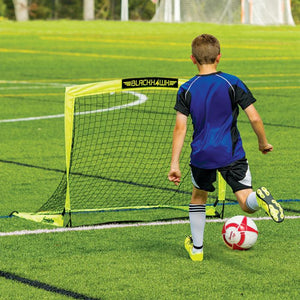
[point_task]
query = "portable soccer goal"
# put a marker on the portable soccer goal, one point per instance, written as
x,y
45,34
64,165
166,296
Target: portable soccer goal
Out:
x,y
118,138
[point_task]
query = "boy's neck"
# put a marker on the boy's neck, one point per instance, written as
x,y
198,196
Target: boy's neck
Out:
x,y
207,69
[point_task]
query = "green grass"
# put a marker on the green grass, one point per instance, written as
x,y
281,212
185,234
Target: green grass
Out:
x,y
150,263
38,59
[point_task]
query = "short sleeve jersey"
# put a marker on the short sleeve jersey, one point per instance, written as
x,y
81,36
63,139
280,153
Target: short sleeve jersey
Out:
x,y
213,103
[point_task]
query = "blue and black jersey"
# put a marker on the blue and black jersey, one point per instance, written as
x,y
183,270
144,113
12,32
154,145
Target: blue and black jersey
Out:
x,y
213,102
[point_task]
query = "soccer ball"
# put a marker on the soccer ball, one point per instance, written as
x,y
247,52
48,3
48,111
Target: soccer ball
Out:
x,y
239,233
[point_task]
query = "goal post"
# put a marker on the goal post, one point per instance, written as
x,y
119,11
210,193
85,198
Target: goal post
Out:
x,y
255,12
118,143
266,12
71,94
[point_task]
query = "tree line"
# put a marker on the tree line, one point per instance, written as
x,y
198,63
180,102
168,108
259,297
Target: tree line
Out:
x,y
73,9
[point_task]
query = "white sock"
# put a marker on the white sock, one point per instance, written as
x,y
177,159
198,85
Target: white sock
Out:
x,y
251,202
197,217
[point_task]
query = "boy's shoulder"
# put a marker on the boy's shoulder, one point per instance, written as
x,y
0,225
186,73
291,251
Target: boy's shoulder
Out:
x,y
214,76
189,82
230,77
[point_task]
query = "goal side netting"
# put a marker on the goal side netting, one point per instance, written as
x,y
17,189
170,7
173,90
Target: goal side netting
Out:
x,y
256,12
118,137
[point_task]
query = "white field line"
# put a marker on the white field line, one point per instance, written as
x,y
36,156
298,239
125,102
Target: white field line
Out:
x,y
111,226
141,99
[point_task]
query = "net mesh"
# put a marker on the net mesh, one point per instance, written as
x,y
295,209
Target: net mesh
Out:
x,y
269,12
121,152
205,11
259,12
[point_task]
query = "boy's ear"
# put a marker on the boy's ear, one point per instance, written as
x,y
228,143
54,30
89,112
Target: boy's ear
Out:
x,y
218,58
193,59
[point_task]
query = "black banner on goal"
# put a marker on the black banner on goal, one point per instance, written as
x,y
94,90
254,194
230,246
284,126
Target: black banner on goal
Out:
x,y
145,82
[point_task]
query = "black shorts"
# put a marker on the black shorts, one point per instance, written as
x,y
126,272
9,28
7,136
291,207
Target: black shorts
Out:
x,y
237,175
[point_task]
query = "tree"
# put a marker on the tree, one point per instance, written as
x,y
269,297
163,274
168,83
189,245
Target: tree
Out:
x,y
102,9
88,10
21,10
296,10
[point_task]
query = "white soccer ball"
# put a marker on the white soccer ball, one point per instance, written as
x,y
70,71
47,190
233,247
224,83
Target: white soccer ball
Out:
x,y
239,233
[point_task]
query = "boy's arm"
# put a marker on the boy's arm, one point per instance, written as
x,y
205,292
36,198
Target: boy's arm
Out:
x,y
258,127
178,140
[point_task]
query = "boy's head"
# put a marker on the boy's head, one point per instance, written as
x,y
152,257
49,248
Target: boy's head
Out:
x,y
205,49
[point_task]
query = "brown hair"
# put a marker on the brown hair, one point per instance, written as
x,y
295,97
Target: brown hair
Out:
x,y
205,48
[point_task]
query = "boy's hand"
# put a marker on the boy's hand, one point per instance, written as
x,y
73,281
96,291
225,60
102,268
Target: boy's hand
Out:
x,y
174,176
265,148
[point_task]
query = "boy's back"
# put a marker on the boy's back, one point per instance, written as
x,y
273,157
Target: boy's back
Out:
x,y
212,101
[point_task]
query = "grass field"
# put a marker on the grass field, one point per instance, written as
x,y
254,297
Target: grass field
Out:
x,y
38,60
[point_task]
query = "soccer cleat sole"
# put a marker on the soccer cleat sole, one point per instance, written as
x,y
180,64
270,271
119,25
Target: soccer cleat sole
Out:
x,y
269,205
188,244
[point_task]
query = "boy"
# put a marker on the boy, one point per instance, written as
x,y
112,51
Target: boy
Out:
x,y
212,99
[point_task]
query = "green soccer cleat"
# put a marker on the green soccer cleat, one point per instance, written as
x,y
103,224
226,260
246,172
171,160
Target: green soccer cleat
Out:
x,y
269,205
188,244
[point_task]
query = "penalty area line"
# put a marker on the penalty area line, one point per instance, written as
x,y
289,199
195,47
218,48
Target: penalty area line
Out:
x,y
111,226
141,99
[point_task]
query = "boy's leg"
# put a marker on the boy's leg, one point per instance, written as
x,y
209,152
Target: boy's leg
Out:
x,y
247,200
252,201
238,176
203,183
197,216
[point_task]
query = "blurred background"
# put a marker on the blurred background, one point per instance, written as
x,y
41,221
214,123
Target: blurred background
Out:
x,y
120,9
